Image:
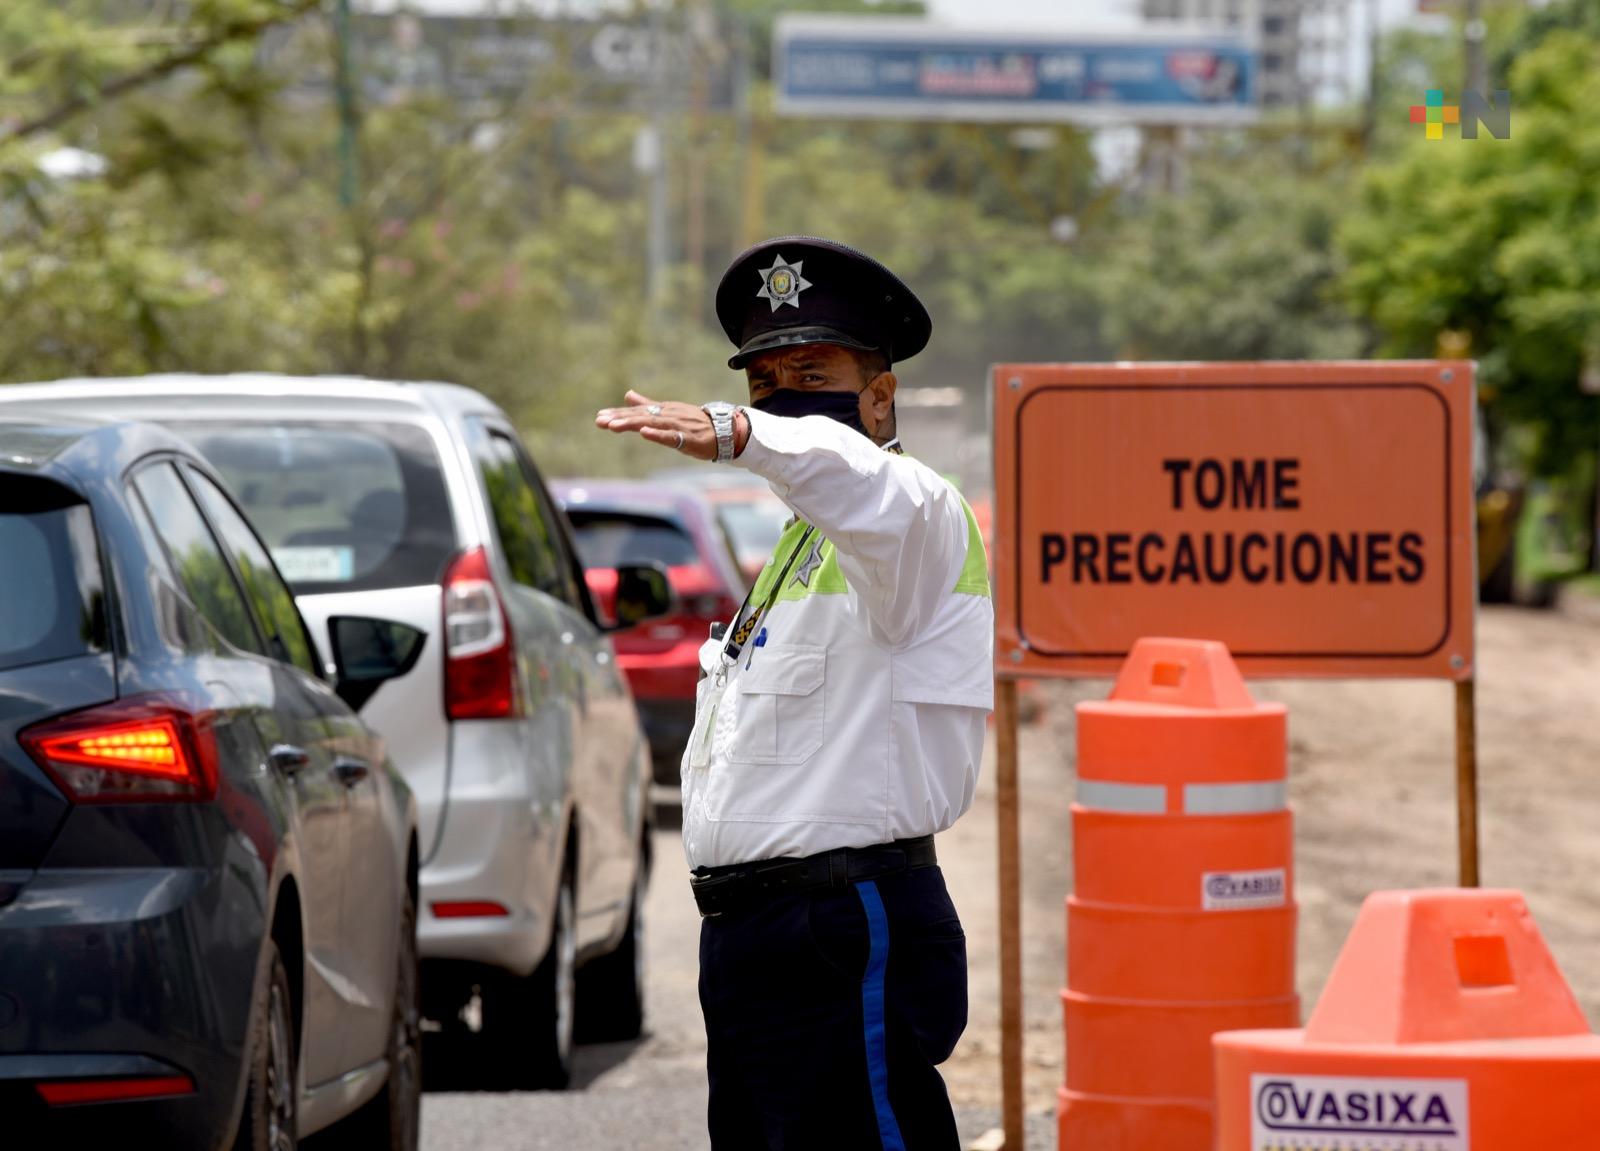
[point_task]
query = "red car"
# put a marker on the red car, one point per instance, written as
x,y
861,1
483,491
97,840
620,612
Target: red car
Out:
x,y
751,515
620,522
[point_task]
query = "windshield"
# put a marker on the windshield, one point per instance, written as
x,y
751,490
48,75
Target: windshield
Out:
x,y
52,605
343,507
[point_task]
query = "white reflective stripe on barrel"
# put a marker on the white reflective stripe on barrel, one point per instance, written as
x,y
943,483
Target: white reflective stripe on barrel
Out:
x,y
1139,798
1234,798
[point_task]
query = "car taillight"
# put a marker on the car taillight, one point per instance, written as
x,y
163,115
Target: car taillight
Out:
x,y
69,1091
470,909
711,607
136,750
480,680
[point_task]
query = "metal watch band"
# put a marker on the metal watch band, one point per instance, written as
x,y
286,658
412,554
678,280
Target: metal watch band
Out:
x,y
722,424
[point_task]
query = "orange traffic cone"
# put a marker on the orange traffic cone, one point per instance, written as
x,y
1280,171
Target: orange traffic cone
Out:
x,y
1182,923
1445,1026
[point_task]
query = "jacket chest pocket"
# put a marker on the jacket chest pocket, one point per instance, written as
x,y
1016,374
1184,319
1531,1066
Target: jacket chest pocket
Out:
x,y
782,705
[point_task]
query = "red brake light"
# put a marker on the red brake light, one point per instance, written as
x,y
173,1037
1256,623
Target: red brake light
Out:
x,y
480,665
105,1090
469,909
135,750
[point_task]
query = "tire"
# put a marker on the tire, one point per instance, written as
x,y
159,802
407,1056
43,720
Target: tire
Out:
x,y
611,988
1500,586
392,1119
528,1023
271,1102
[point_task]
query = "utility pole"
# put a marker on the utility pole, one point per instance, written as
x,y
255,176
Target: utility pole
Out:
x,y
1369,115
346,87
753,128
657,250
741,122
705,51
1473,32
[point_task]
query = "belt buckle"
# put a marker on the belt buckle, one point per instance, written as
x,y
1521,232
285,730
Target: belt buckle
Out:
x,y
708,883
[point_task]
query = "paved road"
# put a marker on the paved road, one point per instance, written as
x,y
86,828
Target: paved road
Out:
x,y
648,1095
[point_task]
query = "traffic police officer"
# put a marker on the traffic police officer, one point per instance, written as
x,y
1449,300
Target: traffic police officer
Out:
x,y
839,723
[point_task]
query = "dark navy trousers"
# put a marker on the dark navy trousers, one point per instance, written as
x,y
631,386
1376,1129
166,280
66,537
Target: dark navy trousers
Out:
x,y
827,1015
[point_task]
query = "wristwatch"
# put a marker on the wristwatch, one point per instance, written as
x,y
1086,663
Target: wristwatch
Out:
x,y
722,423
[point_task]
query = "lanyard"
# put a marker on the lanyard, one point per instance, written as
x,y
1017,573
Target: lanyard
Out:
x,y
739,634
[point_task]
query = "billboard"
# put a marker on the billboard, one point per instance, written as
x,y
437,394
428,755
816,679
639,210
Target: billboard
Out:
x,y
1316,517
888,68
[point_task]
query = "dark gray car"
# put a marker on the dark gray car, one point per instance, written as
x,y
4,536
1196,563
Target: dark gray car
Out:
x,y
207,865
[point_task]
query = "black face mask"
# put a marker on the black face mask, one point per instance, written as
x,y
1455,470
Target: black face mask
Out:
x,y
793,403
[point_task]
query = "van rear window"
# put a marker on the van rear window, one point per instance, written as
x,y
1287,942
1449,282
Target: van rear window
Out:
x,y
341,506
53,603
609,539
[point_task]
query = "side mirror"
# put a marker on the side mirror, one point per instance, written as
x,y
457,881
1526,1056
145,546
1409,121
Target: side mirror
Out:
x,y
369,652
643,592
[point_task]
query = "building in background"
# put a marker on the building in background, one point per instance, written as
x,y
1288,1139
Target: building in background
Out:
x,y
1306,46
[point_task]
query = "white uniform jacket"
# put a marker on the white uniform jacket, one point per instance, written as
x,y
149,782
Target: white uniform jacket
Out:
x,y
855,713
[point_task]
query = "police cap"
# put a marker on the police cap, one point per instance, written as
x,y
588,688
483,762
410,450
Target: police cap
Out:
x,y
803,290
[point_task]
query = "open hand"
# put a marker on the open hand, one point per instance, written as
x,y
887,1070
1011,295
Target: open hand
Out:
x,y
685,428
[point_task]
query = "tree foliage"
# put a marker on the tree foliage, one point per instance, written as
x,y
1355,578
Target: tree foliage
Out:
x,y
1499,240
1238,265
503,245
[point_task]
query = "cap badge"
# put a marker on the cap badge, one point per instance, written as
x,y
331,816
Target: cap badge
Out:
x,y
782,283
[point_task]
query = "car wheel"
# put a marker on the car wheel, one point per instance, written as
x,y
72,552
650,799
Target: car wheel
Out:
x,y
270,1114
391,1121
1500,585
529,1024
611,988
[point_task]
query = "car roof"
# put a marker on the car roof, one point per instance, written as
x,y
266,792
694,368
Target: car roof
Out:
x,y
709,479
261,392
84,447
759,492
32,443
628,495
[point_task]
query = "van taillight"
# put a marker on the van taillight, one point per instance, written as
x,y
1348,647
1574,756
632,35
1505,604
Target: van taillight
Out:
x,y
480,677
132,751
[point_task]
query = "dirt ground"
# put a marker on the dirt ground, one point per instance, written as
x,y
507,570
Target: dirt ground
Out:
x,y
1372,784
1372,787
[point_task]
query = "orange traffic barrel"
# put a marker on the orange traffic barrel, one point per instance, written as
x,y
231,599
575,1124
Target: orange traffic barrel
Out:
x,y
1182,923
1445,1026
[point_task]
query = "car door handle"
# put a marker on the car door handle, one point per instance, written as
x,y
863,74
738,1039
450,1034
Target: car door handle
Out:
x,y
350,771
289,759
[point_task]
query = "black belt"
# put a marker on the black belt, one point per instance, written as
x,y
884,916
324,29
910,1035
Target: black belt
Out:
x,y
718,890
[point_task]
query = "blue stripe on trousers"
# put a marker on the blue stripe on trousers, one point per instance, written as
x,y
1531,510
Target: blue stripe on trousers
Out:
x,y
872,993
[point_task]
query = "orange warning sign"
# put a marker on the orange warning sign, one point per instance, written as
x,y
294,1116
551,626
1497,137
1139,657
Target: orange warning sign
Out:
x,y
1316,518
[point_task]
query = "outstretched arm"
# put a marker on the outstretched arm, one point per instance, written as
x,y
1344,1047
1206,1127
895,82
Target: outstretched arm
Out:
x,y
899,528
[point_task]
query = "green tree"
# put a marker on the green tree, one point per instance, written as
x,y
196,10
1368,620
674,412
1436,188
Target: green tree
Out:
x,y
63,58
1240,264
1499,240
